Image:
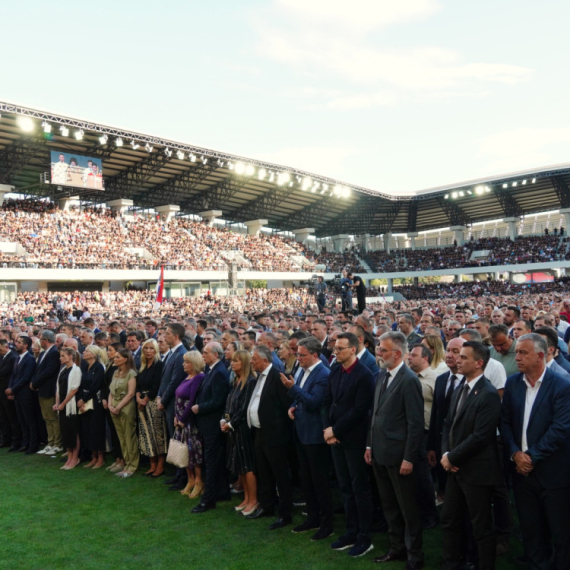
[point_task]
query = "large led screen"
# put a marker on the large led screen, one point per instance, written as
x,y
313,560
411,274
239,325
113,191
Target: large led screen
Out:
x,y
69,169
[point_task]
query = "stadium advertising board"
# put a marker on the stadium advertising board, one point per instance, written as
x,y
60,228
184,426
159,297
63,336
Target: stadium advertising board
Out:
x,y
70,169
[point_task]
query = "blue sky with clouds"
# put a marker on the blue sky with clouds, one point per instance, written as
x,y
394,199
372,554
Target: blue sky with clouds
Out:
x,y
394,96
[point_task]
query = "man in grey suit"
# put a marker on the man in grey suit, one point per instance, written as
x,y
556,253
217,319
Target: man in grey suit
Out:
x,y
395,440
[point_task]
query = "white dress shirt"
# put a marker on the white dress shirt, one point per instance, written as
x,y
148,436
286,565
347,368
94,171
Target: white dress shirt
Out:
x,y
393,373
308,373
530,397
253,410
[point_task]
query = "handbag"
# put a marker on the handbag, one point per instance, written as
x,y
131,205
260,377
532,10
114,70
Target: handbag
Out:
x,y
177,453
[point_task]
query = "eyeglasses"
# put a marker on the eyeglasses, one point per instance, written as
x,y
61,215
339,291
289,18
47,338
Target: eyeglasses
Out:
x,y
340,348
384,350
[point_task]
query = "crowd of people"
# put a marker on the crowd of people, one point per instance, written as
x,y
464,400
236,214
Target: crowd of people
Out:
x,y
398,407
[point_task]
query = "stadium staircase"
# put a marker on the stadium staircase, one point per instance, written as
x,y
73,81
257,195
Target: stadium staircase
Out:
x,y
302,262
235,256
365,261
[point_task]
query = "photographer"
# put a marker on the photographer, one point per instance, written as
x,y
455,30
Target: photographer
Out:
x,y
358,284
321,293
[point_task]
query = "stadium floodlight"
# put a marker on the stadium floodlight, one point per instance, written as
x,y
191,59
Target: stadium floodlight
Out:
x,y
514,184
79,134
523,182
135,145
103,139
533,180
240,168
461,193
180,155
487,189
262,173
250,170
470,192
26,124
271,176
454,195
204,160
479,190
325,186
505,185
46,127
119,141
283,178
446,197
345,192
307,181
192,157
148,147
323,190
167,152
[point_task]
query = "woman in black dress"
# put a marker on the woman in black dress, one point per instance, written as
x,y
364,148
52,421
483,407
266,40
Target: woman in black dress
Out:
x,y
119,463
240,444
89,403
68,383
152,421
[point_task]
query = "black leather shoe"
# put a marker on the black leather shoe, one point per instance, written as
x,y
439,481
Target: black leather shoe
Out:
x,y
281,522
260,513
414,564
22,449
178,486
32,450
429,524
14,449
391,556
172,480
202,508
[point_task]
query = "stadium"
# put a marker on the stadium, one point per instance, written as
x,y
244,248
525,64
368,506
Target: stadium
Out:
x,y
266,222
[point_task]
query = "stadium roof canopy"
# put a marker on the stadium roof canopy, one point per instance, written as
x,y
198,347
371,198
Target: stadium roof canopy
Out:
x,y
153,172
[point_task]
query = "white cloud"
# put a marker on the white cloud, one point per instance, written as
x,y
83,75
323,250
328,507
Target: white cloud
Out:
x,y
328,42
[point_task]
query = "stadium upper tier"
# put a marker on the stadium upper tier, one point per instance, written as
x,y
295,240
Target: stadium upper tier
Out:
x,y
154,172
100,238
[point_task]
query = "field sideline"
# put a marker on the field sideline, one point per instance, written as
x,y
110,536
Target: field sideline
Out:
x,y
91,519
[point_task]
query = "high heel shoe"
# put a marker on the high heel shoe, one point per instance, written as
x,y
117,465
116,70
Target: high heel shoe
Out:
x,y
197,491
189,486
111,467
252,510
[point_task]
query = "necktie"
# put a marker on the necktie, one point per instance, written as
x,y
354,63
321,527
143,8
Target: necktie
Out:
x,y
384,386
461,399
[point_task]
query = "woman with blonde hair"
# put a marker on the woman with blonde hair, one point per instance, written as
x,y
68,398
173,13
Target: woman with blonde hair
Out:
x,y
89,403
122,407
152,421
185,421
68,383
287,356
435,345
240,452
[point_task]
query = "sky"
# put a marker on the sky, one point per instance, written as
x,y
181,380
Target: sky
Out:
x,y
393,96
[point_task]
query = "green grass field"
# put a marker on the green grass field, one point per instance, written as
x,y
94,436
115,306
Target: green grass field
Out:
x,y
91,519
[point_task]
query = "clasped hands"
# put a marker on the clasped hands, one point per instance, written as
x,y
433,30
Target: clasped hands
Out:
x,y
523,463
446,464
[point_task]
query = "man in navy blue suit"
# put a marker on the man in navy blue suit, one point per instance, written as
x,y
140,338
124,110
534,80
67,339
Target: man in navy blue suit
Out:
x,y
363,354
308,393
535,426
26,399
172,376
209,409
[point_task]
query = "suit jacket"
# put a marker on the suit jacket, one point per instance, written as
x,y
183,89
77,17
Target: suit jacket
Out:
x,y
6,369
211,399
275,425
277,363
370,362
397,426
439,410
326,352
474,448
172,375
557,369
45,376
548,432
137,354
198,342
308,403
22,376
348,403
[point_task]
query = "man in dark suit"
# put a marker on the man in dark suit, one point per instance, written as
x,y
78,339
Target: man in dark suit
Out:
x,y
11,431
395,440
471,459
346,414
26,399
445,385
535,427
172,376
268,419
308,392
209,409
134,340
44,382
319,331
